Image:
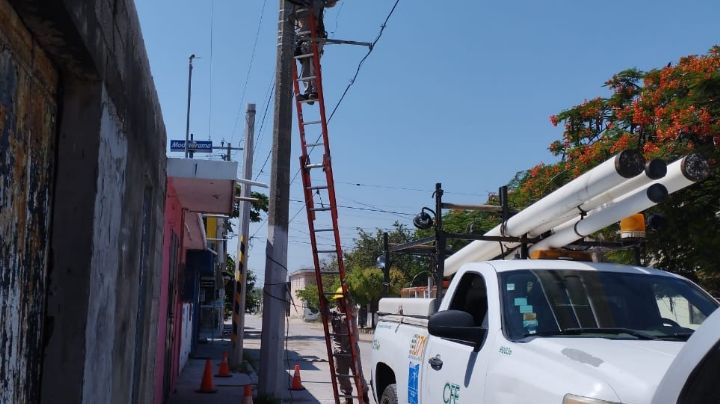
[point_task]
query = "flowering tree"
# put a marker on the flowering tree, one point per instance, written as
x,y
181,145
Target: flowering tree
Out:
x,y
666,113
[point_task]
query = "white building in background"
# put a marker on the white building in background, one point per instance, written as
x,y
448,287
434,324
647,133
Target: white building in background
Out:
x,y
299,280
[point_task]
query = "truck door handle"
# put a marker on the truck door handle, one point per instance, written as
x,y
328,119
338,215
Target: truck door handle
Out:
x,y
435,362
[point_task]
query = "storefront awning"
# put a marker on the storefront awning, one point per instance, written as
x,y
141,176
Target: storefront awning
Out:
x,y
205,186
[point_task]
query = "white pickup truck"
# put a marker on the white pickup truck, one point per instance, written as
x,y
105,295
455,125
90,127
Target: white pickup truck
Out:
x,y
537,331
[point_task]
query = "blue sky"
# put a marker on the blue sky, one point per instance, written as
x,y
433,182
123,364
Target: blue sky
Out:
x,y
455,92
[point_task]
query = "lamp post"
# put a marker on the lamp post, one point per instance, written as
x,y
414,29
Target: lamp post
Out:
x,y
383,262
187,117
425,221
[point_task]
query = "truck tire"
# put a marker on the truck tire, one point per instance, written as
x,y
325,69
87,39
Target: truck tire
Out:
x,y
389,396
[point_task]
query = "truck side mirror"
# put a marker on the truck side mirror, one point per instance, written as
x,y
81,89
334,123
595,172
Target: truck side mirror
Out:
x,y
456,325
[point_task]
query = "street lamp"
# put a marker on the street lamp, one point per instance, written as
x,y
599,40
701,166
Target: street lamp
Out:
x,y
383,262
423,220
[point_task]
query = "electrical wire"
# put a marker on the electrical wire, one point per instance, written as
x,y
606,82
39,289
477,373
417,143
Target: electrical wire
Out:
x,y
260,132
247,75
364,209
265,221
362,61
269,95
332,114
357,184
355,76
212,26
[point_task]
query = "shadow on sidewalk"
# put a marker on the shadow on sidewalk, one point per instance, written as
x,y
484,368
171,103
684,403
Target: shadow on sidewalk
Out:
x,y
230,389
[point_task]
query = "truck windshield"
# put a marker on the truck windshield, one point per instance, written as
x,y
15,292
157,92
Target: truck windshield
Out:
x,y
601,304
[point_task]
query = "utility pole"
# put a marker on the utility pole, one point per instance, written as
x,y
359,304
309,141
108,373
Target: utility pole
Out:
x,y
187,116
240,285
229,149
272,378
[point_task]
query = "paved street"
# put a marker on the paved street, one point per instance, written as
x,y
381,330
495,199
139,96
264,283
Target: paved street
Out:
x,y
306,347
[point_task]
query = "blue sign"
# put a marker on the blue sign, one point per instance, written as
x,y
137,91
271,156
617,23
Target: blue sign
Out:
x,y
197,146
413,375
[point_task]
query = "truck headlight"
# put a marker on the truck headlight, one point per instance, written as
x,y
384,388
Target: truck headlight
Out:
x,y
573,399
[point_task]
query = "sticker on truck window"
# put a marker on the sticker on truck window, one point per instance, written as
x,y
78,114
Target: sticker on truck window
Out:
x,y
413,376
530,326
526,309
521,301
511,286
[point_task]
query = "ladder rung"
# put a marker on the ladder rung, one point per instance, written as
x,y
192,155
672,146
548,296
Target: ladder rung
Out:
x,y
327,252
320,209
308,78
302,10
342,354
303,33
315,144
347,396
339,335
343,375
323,230
312,123
308,100
316,165
318,187
329,272
304,56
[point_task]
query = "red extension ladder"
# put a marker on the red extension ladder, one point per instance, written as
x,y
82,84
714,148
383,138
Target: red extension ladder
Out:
x,y
321,206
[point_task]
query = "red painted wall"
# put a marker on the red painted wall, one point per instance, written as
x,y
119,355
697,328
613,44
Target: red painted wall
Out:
x,y
174,218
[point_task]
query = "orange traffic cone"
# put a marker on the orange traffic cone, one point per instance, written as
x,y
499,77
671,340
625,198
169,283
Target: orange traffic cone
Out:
x,y
296,383
206,385
224,370
247,396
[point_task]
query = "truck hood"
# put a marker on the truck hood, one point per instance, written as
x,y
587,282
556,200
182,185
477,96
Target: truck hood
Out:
x,y
632,368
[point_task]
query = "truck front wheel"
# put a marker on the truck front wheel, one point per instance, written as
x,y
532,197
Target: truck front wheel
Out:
x,y
389,396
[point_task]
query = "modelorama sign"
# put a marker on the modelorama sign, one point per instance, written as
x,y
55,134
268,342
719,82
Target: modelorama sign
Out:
x,y
197,146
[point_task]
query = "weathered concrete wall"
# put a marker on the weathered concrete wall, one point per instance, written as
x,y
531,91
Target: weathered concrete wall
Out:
x,y
28,87
106,256
106,236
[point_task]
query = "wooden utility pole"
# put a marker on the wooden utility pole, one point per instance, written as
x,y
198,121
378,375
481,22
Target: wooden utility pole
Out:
x,y
272,378
241,270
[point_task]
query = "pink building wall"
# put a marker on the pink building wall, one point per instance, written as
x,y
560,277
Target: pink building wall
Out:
x,y
174,218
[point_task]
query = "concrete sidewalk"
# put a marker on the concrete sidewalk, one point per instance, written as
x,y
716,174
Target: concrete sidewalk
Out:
x,y
305,347
230,389
305,343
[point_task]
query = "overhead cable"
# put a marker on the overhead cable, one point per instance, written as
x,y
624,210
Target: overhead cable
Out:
x,y
247,75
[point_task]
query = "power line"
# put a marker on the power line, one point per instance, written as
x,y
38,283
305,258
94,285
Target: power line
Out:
x,y
362,61
369,205
247,75
335,108
265,221
352,81
364,209
357,184
262,125
270,93
212,25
